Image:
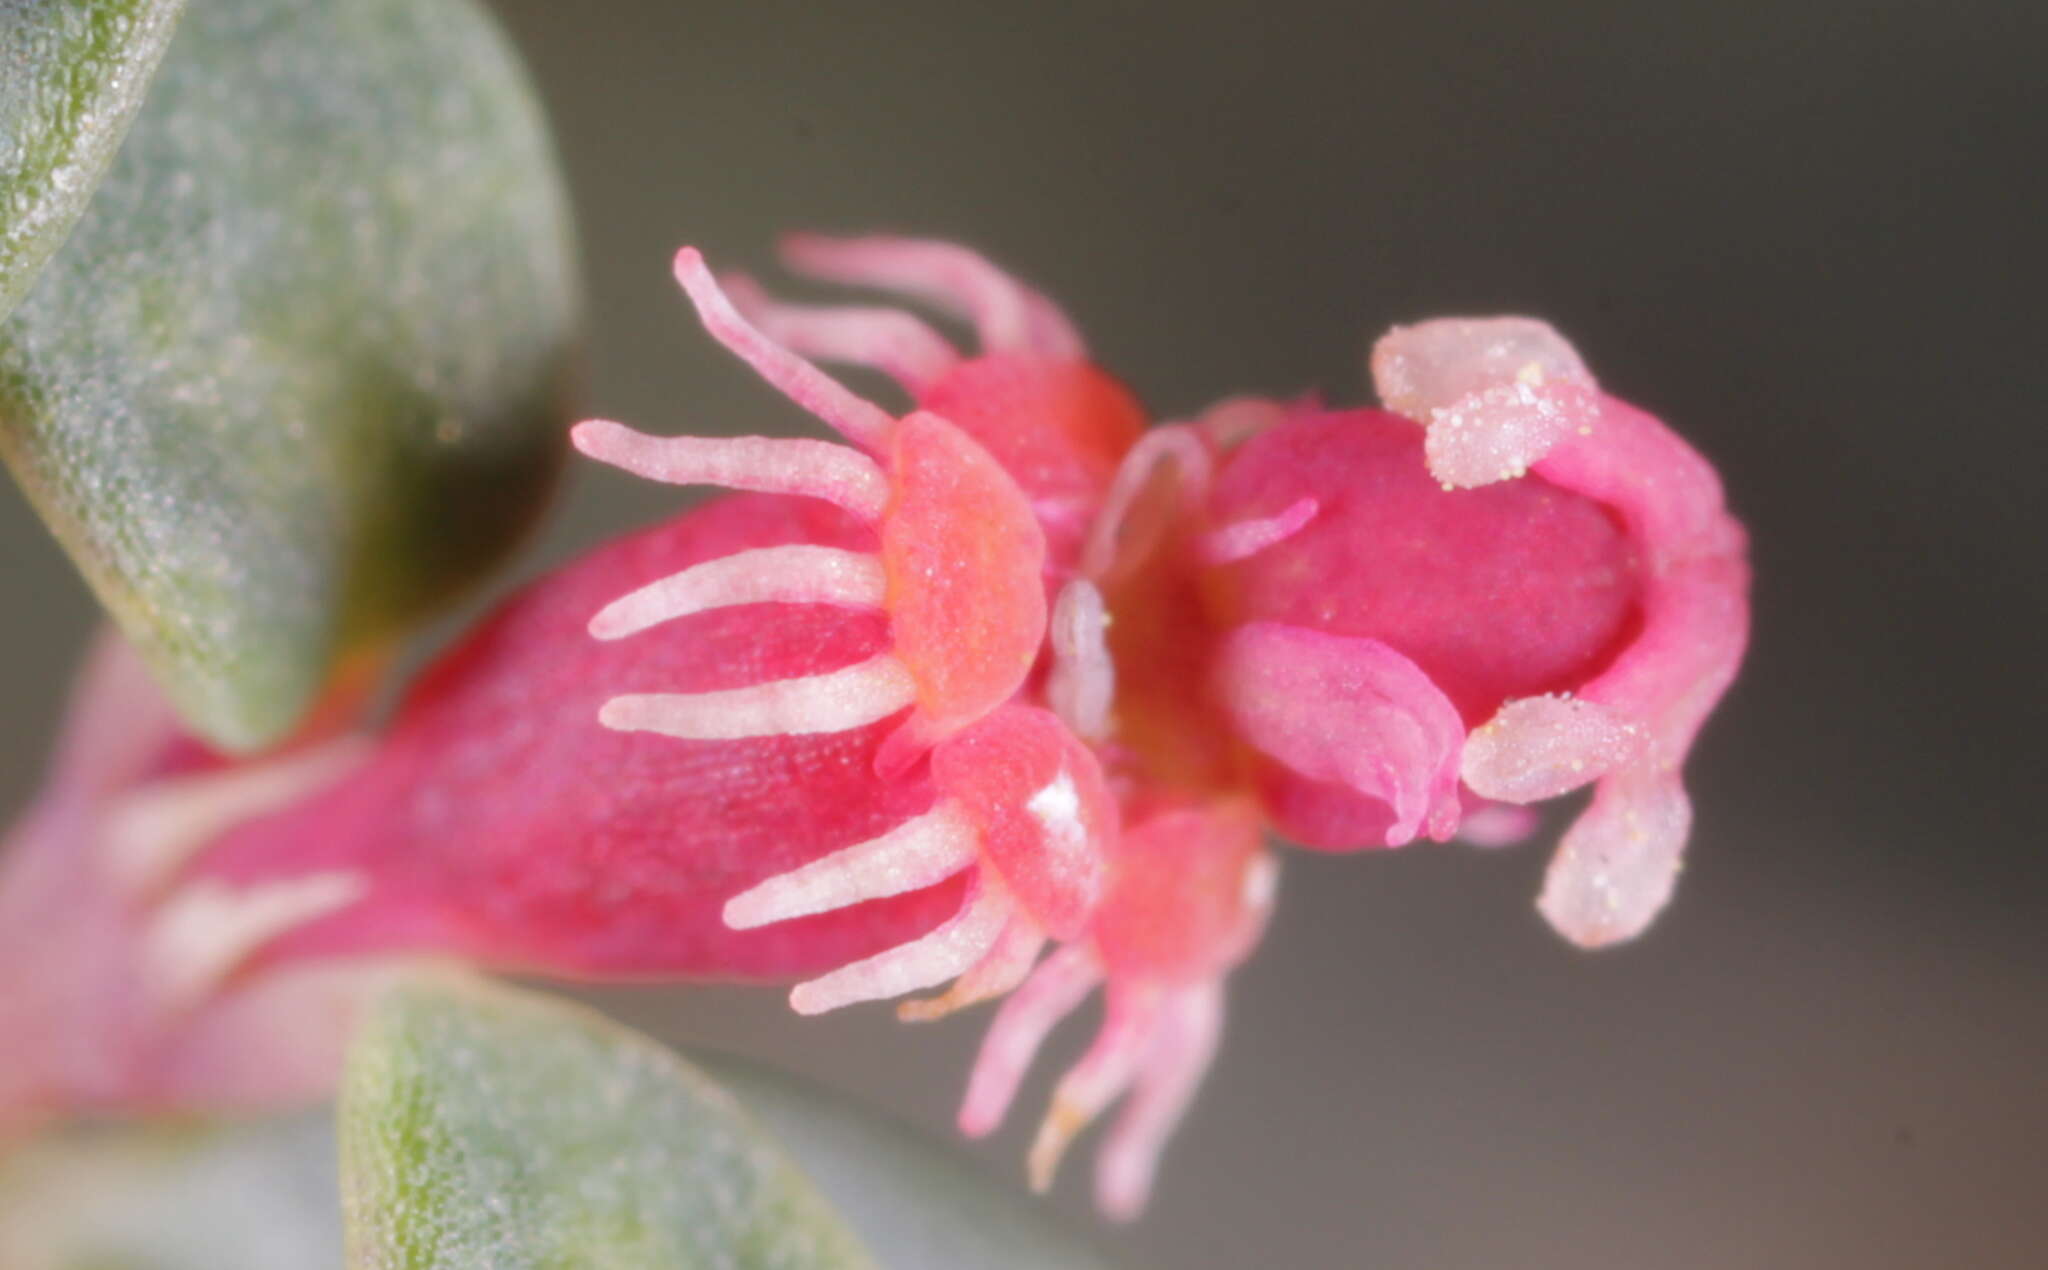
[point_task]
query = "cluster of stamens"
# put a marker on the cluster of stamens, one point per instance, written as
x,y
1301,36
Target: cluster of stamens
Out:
x,y
958,571
1020,803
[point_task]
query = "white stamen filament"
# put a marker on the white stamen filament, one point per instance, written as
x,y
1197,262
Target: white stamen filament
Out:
x,y
836,701
1236,420
950,950
915,854
208,928
154,829
859,421
770,465
1082,686
839,701
1182,1047
1007,315
1114,541
1246,538
1027,1017
888,340
797,574
1101,1076
1007,965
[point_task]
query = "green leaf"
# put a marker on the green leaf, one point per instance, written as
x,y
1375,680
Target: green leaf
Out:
x,y
482,1127
489,1127
298,375
248,1197
72,73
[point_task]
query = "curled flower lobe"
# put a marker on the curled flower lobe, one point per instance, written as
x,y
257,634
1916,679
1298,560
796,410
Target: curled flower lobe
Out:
x,y
1630,722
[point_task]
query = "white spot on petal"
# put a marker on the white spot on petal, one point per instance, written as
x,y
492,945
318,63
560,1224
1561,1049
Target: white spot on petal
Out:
x,y
1057,809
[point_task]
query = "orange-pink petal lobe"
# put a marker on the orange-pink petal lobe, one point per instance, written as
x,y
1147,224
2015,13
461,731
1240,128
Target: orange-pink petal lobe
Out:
x,y
963,556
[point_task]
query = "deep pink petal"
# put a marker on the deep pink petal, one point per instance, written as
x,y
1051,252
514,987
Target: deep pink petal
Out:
x,y
1696,609
1510,590
1350,711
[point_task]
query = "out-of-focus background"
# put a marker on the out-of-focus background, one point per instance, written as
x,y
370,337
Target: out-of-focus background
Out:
x,y
1807,234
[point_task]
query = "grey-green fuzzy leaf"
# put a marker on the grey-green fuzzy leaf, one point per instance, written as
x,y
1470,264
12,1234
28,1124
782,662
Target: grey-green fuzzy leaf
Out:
x,y
482,1127
256,1196
72,73
299,373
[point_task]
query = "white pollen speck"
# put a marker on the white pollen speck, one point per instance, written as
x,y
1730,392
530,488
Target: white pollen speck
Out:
x,y
1261,884
1057,808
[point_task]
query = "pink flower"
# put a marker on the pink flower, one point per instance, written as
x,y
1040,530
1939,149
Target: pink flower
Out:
x,y
113,991
1002,672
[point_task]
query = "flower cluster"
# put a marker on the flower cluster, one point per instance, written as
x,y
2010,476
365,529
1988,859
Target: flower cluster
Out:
x,y
1010,671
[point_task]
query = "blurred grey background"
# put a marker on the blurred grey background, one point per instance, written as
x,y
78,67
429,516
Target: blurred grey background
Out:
x,y
1807,234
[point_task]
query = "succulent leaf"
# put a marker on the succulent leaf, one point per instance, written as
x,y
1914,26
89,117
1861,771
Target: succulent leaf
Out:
x,y
299,371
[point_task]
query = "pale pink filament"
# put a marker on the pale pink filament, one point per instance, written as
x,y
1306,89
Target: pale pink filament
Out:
x,y
1027,1017
888,340
155,828
1008,316
852,697
1245,538
1234,420
817,469
950,950
204,930
1007,965
1492,825
1182,1046
1082,685
795,574
915,854
1115,543
1099,1079
859,421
